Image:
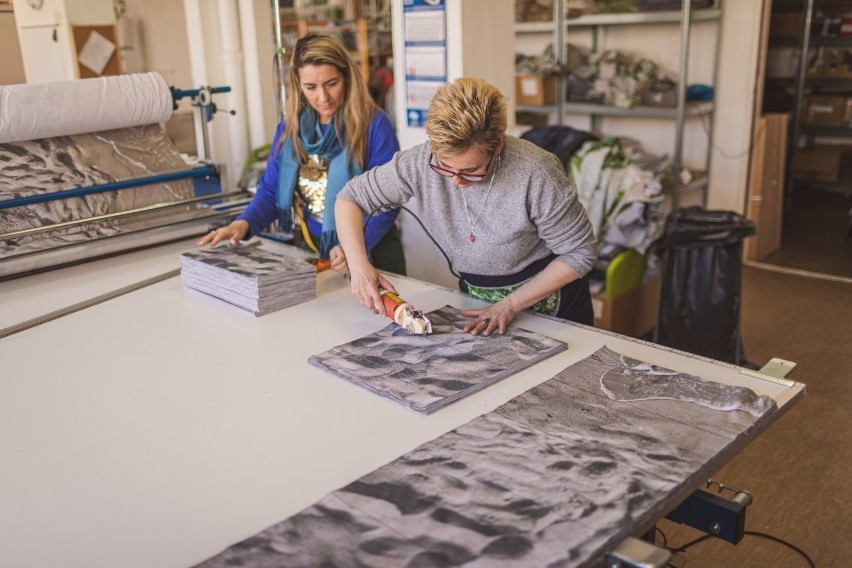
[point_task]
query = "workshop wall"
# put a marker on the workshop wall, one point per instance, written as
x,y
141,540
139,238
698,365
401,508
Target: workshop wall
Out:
x,y
12,70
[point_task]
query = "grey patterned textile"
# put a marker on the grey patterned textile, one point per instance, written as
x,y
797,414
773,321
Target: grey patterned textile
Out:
x,y
252,278
69,162
427,373
555,477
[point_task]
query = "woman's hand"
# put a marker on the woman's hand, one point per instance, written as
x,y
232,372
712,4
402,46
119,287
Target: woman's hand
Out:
x,y
233,233
493,318
338,259
366,282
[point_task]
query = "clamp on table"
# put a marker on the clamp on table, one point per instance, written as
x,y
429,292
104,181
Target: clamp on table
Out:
x,y
708,512
714,514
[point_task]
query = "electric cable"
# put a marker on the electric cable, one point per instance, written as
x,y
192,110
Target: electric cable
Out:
x,y
804,554
663,535
704,537
419,222
706,127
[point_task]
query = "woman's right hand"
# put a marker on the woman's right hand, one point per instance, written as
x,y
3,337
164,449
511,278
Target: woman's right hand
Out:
x,y
365,285
233,232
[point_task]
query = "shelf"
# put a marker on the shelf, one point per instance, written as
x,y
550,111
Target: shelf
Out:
x,y
784,41
831,41
692,109
629,18
842,186
534,28
700,182
326,28
827,131
633,18
669,21
837,84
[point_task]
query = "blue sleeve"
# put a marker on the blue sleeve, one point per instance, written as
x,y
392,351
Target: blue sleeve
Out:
x,y
382,144
263,208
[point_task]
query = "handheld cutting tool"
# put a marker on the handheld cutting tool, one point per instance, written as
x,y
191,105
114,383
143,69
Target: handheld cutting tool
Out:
x,y
404,314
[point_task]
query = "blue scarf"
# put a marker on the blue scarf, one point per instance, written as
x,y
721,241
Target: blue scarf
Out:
x,y
340,171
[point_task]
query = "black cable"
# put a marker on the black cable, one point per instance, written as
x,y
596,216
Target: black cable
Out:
x,y
691,543
416,218
738,155
662,534
785,543
793,547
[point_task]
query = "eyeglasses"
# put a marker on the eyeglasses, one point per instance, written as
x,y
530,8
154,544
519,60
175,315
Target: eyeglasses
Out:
x,y
466,177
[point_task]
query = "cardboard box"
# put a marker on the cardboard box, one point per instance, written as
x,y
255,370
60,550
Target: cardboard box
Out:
x,y
782,62
786,24
524,118
837,71
821,163
633,313
827,110
532,89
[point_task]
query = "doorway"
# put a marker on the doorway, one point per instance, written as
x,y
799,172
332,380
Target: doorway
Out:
x,y
808,76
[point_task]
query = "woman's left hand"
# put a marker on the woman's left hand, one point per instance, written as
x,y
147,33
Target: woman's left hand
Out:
x,y
338,260
493,318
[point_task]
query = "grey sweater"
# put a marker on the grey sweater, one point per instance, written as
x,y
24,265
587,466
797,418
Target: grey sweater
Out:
x,y
532,212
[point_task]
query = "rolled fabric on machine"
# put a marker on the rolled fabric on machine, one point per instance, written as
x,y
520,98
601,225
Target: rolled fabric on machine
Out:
x,y
88,169
64,108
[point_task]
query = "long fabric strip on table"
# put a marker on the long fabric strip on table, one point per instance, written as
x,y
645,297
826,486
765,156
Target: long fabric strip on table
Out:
x,y
555,477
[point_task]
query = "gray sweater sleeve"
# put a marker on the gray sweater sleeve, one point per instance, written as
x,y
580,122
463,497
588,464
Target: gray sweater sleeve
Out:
x,y
562,222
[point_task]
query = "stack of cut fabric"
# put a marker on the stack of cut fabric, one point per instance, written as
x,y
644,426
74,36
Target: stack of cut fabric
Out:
x,y
254,279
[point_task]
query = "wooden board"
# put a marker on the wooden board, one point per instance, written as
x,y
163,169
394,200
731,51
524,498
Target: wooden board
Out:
x,y
766,188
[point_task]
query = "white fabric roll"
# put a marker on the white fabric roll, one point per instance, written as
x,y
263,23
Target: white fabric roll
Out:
x,y
62,108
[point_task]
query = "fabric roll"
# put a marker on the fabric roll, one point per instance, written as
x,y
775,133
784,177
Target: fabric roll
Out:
x,y
65,108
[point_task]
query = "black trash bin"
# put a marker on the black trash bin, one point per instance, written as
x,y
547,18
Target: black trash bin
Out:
x,y
700,293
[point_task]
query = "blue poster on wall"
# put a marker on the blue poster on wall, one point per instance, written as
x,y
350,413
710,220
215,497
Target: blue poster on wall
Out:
x,y
425,39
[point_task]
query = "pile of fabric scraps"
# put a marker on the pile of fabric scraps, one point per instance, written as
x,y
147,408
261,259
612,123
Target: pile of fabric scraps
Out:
x,y
621,198
621,77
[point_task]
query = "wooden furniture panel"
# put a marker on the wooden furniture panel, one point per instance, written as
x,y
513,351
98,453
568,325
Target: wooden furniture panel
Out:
x,y
766,187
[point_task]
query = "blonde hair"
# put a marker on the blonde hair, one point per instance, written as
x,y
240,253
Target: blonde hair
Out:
x,y
357,109
467,113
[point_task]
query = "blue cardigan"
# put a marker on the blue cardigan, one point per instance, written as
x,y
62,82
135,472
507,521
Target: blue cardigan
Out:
x,y
382,144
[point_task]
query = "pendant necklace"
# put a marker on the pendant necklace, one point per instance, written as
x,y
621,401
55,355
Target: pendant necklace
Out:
x,y
472,237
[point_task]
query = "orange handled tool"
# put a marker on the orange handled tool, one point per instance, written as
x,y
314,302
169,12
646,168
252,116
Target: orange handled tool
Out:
x,y
404,314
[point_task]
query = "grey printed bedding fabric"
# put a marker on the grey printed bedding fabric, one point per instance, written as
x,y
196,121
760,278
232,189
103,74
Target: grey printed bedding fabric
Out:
x,y
427,373
250,277
555,477
64,163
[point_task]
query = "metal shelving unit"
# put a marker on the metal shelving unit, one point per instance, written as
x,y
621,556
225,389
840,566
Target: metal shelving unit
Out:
x,y
684,18
804,135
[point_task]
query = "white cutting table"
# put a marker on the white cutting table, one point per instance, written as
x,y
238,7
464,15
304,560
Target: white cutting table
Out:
x,y
161,426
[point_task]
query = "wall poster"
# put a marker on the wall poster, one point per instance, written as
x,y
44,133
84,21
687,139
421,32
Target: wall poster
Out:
x,y
425,39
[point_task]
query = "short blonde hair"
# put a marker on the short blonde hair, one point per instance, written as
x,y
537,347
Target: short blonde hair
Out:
x,y
467,113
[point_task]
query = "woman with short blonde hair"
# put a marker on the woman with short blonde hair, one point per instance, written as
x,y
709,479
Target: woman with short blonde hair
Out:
x,y
501,208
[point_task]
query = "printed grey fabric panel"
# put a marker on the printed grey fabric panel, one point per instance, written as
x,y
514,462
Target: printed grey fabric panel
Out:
x,y
254,279
70,162
427,373
555,477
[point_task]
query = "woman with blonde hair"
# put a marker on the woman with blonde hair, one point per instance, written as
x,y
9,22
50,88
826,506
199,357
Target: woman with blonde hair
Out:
x,y
332,132
501,208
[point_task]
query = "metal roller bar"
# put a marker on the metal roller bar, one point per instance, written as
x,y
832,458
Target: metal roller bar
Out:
x,y
118,215
114,186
